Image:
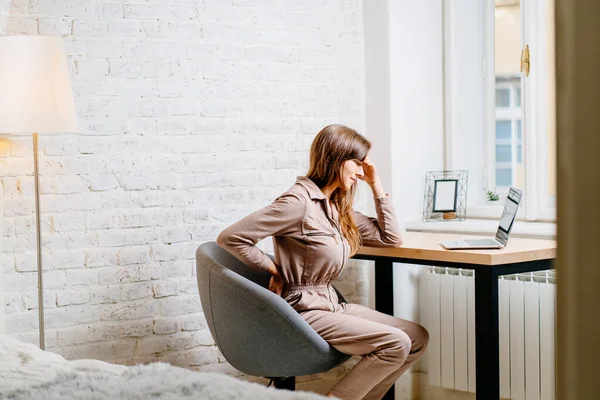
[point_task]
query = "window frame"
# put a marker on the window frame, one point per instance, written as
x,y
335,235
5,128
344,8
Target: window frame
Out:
x,y
535,206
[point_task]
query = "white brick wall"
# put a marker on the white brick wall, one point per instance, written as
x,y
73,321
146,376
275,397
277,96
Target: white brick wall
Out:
x,y
7,302
192,113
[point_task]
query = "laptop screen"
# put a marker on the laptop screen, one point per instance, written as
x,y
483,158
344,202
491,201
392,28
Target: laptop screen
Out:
x,y
508,215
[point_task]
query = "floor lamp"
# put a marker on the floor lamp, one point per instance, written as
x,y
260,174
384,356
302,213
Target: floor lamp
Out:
x,y
35,97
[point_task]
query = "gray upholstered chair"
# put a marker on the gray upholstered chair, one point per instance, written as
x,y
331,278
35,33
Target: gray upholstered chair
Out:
x,y
257,331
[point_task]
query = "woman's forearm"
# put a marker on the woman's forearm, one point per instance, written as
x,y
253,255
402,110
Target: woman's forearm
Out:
x,y
273,269
377,188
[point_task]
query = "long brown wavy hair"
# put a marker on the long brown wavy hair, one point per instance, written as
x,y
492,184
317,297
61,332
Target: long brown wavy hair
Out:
x,y
334,145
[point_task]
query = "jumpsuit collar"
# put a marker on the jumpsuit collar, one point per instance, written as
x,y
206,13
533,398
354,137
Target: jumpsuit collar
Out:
x,y
316,194
313,190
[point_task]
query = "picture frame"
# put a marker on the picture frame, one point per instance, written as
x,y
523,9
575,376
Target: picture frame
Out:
x,y
445,197
445,193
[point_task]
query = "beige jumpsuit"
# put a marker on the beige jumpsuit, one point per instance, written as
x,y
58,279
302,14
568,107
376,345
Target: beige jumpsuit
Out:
x,y
310,254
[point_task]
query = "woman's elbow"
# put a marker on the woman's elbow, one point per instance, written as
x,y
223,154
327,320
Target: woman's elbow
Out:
x,y
394,240
223,239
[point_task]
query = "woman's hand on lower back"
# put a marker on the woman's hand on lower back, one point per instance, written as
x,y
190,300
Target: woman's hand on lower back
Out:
x,y
276,284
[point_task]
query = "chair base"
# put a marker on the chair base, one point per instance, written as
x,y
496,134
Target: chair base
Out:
x,y
287,383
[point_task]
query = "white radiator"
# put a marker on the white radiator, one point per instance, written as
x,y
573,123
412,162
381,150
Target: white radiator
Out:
x,y
526,321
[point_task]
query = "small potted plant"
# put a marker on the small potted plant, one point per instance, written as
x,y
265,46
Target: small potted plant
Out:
x,y
492,196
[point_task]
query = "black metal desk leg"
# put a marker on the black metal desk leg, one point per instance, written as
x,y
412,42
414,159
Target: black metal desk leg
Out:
x,y
384,287
487,348
384,298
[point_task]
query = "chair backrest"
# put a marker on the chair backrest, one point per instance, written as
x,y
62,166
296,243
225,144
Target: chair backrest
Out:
x,y
257,331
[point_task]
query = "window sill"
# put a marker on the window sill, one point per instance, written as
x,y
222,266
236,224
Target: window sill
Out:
x,y
487,227
493,211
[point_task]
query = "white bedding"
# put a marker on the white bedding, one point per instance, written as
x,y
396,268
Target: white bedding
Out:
x,y
26,372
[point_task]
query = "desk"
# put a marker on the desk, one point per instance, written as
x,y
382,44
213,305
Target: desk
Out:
x,y
520,255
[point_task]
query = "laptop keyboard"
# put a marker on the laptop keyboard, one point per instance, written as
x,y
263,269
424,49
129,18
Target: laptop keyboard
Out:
x,y
481,242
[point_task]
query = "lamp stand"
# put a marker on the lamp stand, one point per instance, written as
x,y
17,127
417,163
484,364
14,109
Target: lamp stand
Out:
x,y
39,241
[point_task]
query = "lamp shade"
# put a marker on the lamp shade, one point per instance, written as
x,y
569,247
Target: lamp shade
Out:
x,y
35,89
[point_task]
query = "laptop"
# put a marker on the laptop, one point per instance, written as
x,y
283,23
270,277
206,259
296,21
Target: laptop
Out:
x,y
506,221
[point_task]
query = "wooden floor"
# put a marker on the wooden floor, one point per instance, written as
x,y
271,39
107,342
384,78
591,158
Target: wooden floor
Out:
x,y
409,387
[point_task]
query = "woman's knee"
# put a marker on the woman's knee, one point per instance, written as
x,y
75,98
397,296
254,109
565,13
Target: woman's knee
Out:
x,y
420,339
399,347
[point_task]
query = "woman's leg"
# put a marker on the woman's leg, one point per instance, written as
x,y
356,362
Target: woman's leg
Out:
x,y
419,340
385,349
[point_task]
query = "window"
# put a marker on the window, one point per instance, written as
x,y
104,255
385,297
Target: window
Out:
x,y
508,165
500,121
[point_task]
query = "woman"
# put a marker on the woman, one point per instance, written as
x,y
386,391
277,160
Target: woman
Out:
x,y
315,231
